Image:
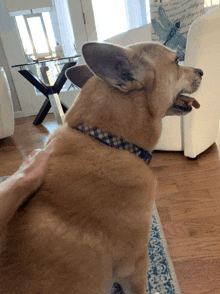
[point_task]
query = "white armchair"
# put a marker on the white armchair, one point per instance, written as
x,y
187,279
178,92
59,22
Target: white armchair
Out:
x,y
6,107
197,131
200,128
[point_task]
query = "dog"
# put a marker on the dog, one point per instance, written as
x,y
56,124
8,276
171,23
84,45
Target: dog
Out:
x,y
88,224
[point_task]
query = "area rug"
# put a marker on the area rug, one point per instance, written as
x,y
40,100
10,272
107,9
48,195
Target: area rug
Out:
x,y
161,275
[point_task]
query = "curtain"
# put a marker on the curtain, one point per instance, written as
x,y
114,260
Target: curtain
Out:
x,y
137,12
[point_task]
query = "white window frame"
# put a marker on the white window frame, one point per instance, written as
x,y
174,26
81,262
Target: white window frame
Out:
x,y
36,55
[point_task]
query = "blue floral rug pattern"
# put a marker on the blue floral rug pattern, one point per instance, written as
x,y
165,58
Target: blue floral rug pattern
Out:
x,y
161,274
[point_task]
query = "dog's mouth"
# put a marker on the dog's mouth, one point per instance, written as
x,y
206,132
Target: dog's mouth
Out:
x,y
185,103
182,105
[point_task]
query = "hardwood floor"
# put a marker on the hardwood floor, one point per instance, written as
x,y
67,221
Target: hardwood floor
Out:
x,y
26,138
188,202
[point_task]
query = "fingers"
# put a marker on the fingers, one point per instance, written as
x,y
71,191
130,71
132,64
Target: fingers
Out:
x,y
34,167
28,178
37,155
37,163
35,152
29,160
49,147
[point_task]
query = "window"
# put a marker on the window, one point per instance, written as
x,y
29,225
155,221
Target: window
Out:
x,y
36,34
38,40
208,3
110,18
117,16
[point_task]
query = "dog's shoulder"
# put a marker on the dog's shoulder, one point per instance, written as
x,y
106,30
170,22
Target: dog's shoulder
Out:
x,y
82,149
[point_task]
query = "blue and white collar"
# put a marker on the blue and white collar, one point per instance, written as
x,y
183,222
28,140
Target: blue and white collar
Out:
x,y
114,141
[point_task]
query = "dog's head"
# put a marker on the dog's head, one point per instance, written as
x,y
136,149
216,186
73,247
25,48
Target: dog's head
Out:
x,y
150,66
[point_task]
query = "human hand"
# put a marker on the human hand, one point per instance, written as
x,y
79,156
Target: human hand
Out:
x,y
25,181
32,171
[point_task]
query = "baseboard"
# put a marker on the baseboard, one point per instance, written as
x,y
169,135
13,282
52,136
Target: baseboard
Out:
x,y
18,114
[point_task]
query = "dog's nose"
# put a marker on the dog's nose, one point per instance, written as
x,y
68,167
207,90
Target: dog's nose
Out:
x,y
199,71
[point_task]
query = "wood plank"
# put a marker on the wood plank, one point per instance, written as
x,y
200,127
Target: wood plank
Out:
x,y
198,227
194,248
198,276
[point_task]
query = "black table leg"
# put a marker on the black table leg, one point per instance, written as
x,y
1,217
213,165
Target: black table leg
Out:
x,y
47,90
43,112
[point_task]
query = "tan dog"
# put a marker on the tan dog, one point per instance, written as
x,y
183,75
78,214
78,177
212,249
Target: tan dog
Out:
x,y
88,225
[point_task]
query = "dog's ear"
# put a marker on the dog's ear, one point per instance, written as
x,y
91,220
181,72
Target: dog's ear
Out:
x,y
114,65
79,75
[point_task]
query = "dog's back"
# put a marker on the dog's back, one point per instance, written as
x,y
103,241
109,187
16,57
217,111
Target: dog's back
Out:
x,y
69,236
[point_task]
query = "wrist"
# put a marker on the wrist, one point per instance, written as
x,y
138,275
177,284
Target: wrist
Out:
x,y
11,182
15,187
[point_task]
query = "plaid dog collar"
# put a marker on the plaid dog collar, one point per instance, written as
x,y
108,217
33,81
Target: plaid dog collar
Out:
x,y
113,141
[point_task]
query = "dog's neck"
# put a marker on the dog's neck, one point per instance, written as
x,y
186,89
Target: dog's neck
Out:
x,y
114,141
128,115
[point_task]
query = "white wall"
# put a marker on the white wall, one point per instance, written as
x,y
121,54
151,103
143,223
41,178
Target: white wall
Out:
x,y
17,5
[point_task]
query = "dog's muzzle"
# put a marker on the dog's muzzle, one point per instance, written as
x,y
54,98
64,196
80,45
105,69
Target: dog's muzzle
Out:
x,y
183,104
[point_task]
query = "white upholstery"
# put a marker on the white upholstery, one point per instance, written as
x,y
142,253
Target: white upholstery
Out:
x,y
195,132
200,128
6,107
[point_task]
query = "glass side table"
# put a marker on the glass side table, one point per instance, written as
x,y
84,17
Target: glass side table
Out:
x,y
48,77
